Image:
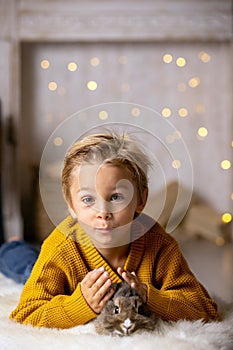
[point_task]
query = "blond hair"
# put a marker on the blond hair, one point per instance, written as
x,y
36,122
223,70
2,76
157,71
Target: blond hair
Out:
x,y
107,148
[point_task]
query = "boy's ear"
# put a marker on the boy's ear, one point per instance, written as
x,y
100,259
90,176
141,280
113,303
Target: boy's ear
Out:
x,y
143,201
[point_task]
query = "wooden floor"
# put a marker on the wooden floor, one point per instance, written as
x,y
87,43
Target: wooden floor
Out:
x,y
212,265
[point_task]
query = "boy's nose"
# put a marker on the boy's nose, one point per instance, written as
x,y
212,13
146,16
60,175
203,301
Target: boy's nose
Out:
x,y
104,215
103,209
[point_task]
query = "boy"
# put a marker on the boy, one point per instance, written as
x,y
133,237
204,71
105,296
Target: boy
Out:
x,y
108,240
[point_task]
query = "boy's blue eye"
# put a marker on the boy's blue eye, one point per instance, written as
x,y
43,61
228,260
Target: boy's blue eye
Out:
x,y
88,200
117,197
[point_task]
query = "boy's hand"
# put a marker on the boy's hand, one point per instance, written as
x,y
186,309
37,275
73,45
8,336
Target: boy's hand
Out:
x,y
133,281
96,289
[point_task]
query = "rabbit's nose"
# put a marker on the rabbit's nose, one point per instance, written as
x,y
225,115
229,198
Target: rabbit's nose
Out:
x,y
127,324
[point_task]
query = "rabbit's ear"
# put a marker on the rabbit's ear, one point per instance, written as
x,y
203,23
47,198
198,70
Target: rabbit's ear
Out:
x,y
144,310
116,287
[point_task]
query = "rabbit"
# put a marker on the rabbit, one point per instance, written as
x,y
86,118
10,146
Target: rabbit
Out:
x,y
125,313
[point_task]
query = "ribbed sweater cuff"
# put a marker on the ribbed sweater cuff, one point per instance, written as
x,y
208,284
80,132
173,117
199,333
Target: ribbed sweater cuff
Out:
x,y
78,309
158,301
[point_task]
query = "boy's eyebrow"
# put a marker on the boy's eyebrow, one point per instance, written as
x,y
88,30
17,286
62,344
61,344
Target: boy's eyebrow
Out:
x,y
82,189
85,188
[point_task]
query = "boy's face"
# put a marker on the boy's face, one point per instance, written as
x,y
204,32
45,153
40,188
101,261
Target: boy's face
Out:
x,y
104,199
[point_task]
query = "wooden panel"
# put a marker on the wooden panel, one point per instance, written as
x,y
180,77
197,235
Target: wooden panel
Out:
x,y
118,20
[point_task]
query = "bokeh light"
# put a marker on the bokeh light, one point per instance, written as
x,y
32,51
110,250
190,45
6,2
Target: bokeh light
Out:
x,y
58,141
61,91
199,108
176,164
204,56
226,218
72,66
123,59
225,164
167,58
183,112
92,85
52,86
181,87
194,82
125,87
103,115
219,241
202,132
166,112
94,61
135,112
44,64
181,62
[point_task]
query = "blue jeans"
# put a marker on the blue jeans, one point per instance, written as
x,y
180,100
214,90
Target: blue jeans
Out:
x,y
17,259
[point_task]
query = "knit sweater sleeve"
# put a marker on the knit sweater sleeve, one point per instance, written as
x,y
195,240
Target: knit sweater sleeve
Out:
x,y
52,296
176,293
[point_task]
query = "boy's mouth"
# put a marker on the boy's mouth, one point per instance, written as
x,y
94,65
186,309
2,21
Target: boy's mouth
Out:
x,y
104,229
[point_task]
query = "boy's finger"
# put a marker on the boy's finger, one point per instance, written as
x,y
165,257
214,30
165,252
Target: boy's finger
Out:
x,y
100,293
93,276
128,277
100,281
120,270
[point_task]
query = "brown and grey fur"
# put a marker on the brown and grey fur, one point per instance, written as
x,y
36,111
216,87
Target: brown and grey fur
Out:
x,y
125,313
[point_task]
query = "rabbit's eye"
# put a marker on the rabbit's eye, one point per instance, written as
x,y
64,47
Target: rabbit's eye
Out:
x,y
116,310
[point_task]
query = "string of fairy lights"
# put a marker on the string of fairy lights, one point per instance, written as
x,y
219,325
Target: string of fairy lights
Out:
x,y
166,112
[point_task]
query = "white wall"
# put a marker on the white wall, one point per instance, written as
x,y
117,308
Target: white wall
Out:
x,y
142,31
145,79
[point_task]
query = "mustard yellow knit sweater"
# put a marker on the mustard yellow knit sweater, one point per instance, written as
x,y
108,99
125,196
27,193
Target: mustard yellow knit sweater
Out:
x,y
52,296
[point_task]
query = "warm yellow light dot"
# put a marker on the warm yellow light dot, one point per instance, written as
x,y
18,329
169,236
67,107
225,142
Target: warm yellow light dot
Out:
x,y
52,86
225,164
180,62
170,138
204,56
232,196
135,112
231,143
44,64
103,115
167,58
58,141
226,218
125,87
61,91
94,61
194,82
92,85
181,87
123,59
219,241
203,132
200,109
177,135
183,112
166,112
72,66
176,164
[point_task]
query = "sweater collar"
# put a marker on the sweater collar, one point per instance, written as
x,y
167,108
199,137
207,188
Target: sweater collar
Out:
x,y
93,259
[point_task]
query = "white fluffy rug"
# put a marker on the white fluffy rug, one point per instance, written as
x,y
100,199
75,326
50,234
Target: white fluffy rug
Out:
x,y
182,335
